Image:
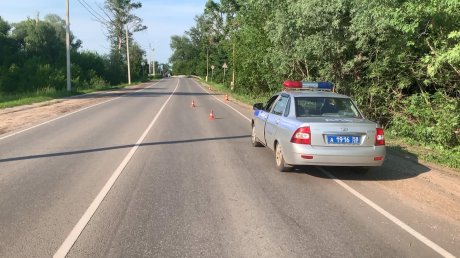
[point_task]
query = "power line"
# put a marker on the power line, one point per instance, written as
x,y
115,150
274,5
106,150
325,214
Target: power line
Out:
x,y
105,12
93,12
90,10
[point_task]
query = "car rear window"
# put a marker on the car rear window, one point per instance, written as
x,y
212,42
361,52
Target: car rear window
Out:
x,y
325,106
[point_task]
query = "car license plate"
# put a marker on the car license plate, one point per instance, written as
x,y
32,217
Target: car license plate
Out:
x,y
341,139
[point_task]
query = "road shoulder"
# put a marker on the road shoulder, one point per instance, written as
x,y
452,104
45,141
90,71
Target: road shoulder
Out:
x,y
21,117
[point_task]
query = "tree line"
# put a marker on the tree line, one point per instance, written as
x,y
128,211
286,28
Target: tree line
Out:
x,y
399,59
33,55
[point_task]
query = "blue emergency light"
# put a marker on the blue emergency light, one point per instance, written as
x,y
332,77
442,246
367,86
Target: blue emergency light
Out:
x,y
318,85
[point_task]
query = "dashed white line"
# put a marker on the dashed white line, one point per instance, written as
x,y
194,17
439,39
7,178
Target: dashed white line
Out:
x,y
78,228
69,114
373,205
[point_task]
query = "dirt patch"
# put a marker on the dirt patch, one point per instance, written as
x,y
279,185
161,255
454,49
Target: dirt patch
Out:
x,y
21,117
435,191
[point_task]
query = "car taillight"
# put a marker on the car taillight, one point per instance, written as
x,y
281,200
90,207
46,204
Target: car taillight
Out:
x,y
302,136
379,137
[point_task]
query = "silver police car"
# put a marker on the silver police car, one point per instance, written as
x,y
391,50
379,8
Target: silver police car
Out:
x,y
308,124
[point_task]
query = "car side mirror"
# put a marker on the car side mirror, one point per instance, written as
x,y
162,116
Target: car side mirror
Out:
x,y
258,106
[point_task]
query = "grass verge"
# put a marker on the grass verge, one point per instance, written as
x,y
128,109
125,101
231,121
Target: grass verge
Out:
x,y
19,99
242,97
448,157
439,155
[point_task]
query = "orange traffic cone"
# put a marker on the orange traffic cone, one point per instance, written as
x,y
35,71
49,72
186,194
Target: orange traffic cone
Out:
x,y
226,97
193,103
211,115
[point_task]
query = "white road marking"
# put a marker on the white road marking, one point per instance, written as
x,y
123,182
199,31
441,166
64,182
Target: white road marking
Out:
x,y
224,103
78,228
389,216
373,205
71,113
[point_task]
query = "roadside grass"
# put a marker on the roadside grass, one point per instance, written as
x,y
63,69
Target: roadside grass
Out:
x,y
27,98
249,99
439,155
448,157
18,99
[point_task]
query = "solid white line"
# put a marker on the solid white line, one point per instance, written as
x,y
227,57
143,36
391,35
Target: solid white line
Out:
x,y
224,102
71,113
76,231
389,216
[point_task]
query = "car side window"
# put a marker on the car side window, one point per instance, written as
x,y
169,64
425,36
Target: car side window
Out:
x,y
270,103
280,105
288,107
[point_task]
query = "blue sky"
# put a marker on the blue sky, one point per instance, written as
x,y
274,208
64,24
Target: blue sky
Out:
x,y
163,19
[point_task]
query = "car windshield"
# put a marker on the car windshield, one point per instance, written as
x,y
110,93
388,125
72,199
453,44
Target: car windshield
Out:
x,y
325,106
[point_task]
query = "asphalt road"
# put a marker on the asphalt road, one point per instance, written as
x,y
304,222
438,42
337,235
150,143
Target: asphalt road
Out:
x,y
187,187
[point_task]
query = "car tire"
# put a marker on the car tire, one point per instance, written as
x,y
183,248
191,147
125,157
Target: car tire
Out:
x,y
254,140
279,159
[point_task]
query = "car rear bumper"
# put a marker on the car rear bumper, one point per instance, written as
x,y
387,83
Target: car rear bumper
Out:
x,y
298,154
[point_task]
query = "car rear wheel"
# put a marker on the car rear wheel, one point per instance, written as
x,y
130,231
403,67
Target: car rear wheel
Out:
x,y
279,158
254,140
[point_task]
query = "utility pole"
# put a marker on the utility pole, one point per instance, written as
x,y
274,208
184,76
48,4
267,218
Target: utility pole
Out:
x,y
207,64
153,60
232,85
127,55
150,62
67,41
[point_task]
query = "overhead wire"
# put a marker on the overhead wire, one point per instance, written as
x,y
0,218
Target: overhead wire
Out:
x,y
93,12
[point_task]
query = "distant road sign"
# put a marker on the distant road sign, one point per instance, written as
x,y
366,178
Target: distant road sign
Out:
x,y
225,66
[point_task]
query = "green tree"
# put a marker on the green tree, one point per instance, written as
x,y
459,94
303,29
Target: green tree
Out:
x,y
400,59
119,16
39,39
32,58
137,58
184,55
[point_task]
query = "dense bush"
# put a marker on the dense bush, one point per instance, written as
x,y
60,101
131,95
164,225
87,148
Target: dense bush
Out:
x,y
428,119
33,58
400,60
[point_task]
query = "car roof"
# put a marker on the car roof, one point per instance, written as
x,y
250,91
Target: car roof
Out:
x,y
314,93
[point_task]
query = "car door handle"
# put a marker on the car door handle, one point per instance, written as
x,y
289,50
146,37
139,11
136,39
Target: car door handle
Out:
x,y
277,121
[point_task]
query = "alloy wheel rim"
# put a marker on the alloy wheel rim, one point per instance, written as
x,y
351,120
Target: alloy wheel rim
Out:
x,y
278,155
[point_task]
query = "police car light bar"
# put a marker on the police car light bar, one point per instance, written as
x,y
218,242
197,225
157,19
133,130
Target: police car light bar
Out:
x,y
308,85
